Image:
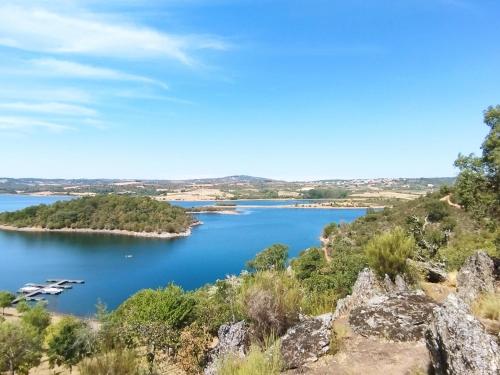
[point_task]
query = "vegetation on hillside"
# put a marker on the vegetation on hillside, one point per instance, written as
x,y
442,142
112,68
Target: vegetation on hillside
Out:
x,y
108,212
178,326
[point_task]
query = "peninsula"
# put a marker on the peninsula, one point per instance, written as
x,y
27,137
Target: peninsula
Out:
x,y
111,214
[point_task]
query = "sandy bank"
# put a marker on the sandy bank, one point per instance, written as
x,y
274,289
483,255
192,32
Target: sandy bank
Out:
x,y
163,235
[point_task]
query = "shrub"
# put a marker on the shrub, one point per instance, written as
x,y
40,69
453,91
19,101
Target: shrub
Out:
x,y
216,305
271,258
307,263
257,362
194,345
118,362
387,252
37,317
466,244
271,302
329,230
437,210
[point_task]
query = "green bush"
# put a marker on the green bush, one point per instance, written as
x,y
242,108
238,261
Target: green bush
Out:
x,y
270,301
387,252
307,263
216,304
437,210
330,229
271,258
38,317
466,244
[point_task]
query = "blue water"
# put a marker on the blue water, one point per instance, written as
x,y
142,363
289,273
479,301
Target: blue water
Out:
x,y
219,247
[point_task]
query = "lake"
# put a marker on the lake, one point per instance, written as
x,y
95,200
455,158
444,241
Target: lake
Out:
x,y
114,267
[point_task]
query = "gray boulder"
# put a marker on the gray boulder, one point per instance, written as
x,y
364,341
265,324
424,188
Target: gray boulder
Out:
x,y
402,316
367,286
458,343
434,273
233,339
306,341
476,276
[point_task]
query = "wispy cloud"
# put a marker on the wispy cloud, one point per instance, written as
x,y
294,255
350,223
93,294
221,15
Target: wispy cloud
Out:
x,y
52,94
41,30
26,123
54,108
72,69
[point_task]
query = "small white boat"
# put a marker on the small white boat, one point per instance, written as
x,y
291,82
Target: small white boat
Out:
x,y
28,289
51,290
128,256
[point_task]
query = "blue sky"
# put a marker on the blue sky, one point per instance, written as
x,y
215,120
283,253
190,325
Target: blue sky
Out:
x,y
302,89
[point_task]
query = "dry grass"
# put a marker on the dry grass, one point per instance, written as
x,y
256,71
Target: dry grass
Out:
x,y
487,306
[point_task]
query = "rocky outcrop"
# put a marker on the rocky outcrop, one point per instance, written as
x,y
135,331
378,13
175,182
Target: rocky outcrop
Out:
x,y
433,273
366,287
233,339
402,316
306,341
398,285
476,276
458,343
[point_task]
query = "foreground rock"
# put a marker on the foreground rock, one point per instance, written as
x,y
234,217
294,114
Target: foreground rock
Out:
x,y
366,287
371,356
476,276
233,339
307,341
458,343
402,316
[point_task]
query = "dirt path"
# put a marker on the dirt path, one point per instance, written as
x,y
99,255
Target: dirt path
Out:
x,y
447,199
324,246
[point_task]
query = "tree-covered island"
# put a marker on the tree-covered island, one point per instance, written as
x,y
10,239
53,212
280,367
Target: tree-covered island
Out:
x,y
119,214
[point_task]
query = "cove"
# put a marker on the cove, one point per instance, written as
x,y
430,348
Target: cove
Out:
x,y
115,267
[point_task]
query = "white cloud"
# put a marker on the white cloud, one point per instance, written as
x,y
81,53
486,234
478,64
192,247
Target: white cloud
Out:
x,y
26,123
41,30
77,70
49,108
52,94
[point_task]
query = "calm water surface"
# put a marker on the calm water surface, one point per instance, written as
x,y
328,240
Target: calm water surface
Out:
x,y
219,247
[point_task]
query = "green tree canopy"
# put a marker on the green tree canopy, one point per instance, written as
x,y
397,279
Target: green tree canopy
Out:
x,y
68,342
271,258
20,348
38,317
6,299
477,184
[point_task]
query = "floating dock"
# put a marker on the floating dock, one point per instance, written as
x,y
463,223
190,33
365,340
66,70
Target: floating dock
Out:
x,y
30,291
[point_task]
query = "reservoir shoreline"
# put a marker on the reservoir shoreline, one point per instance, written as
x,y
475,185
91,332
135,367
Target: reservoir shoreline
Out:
x,y
120,232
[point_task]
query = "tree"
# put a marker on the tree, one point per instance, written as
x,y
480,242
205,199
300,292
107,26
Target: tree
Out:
x,y
271,258
68,342
387,252
6,299
38,317
155,317
20,348
478,182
